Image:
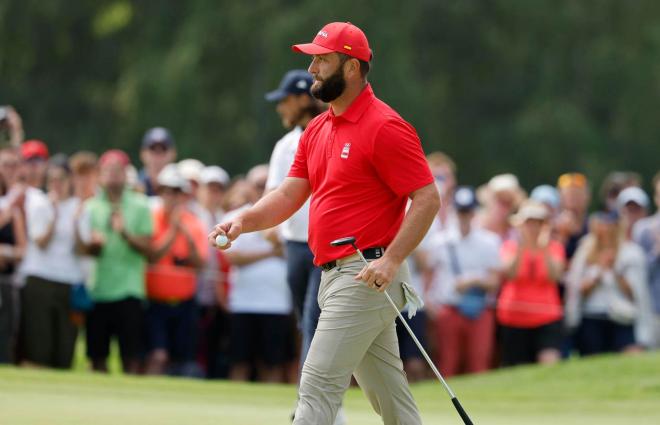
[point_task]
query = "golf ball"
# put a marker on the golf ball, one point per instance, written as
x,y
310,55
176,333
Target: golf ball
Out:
x,y
221,240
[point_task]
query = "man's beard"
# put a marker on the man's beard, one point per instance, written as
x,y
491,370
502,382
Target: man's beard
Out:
x,y
330,88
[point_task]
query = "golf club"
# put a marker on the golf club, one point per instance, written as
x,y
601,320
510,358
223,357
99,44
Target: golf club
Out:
x,y
466,419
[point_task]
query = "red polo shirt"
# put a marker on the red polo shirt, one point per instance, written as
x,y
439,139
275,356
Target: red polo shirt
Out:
x,y
361,166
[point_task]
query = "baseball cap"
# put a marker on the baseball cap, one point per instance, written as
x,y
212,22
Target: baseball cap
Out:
x,y
465,199
605,216
190,168
60,160
632,194
114,155
530,210
157,135
214,174
546,194
170,176
340,37
34,148
296,81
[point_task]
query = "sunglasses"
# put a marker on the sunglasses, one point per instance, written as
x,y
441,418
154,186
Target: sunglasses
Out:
x,y
166,190
158,148
572,179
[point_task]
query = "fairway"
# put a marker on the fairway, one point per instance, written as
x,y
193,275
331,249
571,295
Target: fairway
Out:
x,y
609,390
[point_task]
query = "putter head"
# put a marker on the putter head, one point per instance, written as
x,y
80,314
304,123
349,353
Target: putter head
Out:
x,y
350,240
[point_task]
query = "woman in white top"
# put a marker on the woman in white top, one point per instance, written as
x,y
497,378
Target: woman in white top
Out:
x,y
51,266
606,287
260,303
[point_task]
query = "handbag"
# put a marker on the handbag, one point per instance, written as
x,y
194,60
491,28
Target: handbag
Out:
x,y
79,299
473,302
621,310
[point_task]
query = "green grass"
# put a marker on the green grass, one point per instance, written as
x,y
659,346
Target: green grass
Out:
x,y
607,390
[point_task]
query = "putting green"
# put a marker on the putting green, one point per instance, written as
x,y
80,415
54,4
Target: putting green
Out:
x,y
607,390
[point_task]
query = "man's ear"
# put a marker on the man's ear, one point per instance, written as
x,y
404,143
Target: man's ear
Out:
x,y
353,68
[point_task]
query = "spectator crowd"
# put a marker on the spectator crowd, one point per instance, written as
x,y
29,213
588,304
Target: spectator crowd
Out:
x,y
91,246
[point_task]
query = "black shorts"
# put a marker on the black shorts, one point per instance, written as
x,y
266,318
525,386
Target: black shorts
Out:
x,y
123,319
261,337
522,345
172,327
47,332
407,347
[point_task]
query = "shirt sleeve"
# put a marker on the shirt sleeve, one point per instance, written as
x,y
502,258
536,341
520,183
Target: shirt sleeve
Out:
x,y
277,170
144,225
39,213
399,159
493,260
299,166
85,224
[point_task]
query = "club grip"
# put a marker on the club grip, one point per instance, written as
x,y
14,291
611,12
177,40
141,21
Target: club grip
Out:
x,y
461,411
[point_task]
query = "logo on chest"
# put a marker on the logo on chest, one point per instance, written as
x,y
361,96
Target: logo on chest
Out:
x,y
346,150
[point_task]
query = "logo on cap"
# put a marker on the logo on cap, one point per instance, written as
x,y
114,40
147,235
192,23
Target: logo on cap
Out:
x,y
464,196
323,34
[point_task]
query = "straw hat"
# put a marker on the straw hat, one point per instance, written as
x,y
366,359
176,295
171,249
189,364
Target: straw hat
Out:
x,y
501,183
530,210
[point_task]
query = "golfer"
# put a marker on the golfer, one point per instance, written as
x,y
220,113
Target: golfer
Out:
x,y
360,162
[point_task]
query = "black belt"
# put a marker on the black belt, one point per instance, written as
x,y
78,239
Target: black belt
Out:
x,y
369,254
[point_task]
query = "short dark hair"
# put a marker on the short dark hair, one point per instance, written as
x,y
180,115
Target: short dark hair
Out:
x,y
365,67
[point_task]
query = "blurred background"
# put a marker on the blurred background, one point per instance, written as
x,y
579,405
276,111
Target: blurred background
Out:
x,y
534,87
540,123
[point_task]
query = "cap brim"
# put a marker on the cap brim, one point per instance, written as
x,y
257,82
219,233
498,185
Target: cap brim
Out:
x,y
275,95
216,181
150,143
311,49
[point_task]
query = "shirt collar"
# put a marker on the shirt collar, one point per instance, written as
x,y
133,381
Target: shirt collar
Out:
x,y
357,107
103,194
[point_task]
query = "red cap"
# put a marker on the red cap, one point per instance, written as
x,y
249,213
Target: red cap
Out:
x,y
34,149
114,155
340,37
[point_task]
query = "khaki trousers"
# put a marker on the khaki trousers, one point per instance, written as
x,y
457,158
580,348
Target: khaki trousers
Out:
x,y
355,335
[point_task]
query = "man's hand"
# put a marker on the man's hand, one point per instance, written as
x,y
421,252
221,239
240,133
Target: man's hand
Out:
x,y
379,273
463,284
231,229
543,240
96,242
186,235
607,258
